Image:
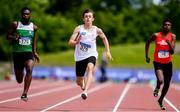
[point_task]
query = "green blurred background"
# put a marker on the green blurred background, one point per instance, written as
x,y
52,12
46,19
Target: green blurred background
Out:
x,y
126,23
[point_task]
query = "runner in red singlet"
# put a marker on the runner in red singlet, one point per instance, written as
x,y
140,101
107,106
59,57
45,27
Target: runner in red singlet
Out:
x,y
164,48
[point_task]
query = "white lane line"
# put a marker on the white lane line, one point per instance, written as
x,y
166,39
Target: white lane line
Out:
x,y
76,96
34,87
173,106
122,97
167,101
42,93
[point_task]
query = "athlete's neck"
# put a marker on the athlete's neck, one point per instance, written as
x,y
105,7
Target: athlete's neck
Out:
x,y
24,22
165,32
88,26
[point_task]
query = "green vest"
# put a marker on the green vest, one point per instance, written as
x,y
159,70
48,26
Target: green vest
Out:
x,y
26,33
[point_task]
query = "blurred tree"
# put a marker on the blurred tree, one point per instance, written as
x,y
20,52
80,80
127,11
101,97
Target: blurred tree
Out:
x,y
123,21
110,5
173,13
63,6
137,4
53,35
4,49
112,26
9,11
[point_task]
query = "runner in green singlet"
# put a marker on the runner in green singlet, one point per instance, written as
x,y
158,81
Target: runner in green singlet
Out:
x,y
22,36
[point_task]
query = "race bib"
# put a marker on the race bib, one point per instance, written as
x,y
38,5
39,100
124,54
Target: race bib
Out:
x,y
84,47
24,41
163,54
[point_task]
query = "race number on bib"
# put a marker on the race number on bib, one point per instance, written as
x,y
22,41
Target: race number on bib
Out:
x,y
163,54
24,41
84,47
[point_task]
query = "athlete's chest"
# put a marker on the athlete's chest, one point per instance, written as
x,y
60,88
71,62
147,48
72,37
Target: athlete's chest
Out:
x,y
161,40
88,34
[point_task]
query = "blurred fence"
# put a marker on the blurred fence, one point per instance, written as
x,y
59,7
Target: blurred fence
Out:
x,y
115,74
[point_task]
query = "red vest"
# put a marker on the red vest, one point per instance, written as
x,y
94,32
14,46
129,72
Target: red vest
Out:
x,y
161,53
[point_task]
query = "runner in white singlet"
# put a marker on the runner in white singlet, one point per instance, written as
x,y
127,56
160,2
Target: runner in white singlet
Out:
x,y
84,41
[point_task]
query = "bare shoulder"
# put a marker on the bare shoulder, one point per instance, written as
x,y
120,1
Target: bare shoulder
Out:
x,y
14,24
154,36
99,30
35,27
77,29
174,36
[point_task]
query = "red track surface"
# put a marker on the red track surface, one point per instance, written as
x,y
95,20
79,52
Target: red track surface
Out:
x,y
64,96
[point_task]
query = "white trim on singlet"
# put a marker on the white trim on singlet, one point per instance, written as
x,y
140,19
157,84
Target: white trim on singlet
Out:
x,y
87,44
25,27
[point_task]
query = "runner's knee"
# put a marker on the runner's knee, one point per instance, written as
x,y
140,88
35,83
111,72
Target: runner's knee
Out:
x,y
29,71
160,82
19,80
19,76
78,82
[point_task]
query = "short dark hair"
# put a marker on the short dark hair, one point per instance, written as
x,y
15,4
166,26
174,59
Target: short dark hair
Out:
x,y
87,11
25,8
167,20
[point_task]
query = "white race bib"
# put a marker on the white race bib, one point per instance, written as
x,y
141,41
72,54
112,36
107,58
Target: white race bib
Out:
x,y
24,41
84,47
163,54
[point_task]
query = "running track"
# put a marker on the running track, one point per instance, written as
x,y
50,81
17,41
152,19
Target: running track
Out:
x,y
64,96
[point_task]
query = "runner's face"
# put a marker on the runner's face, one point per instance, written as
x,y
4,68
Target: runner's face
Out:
x,y
167,26
26,14
88,17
